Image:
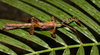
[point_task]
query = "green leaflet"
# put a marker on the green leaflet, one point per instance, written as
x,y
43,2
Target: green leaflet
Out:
x,y
72,36
96,2
14,42
6,50
85,31
88,8
94,50
66,52
49,8
52,52
48,34
80,51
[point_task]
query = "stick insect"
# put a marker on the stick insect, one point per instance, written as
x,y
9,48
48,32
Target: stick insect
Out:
x,y
43,25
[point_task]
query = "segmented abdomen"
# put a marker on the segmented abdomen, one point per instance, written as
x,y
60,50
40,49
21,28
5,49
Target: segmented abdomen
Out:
x,y
18,25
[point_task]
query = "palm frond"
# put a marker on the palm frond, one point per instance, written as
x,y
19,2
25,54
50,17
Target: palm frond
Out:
x,y
61,10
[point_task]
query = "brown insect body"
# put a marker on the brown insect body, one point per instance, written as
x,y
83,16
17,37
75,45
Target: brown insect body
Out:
x,y
44,25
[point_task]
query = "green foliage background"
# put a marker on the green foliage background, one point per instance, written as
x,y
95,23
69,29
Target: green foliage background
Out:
x,y
47,6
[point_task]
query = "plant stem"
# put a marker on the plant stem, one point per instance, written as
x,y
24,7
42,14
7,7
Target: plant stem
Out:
x,y
64,47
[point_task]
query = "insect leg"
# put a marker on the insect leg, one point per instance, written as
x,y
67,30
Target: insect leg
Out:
x,y
31,29
53,30
74,30
72,18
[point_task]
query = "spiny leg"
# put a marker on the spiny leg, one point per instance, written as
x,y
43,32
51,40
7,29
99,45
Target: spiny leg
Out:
x,y
74,30
72,18
53,30
31,29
